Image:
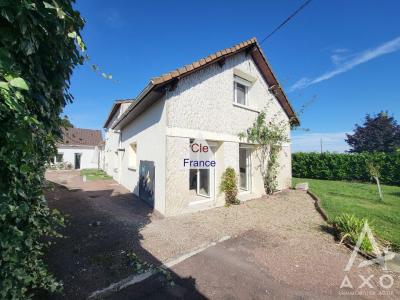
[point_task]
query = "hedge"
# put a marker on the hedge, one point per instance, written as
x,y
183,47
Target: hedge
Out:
x,y
343,166
38,51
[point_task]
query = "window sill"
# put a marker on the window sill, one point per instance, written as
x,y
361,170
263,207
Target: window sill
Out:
x,y
246,107
204,196
132,168
243,191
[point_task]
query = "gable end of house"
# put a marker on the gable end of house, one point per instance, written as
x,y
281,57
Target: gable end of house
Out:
x,y
159,85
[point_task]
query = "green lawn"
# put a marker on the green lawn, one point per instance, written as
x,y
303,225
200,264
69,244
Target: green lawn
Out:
x,y
362,200
94,174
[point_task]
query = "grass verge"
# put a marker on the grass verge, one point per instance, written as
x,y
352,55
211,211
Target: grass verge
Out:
x,y
94,174
362,200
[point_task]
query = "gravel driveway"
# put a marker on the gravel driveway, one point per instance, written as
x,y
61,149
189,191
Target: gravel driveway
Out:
x,y
282,240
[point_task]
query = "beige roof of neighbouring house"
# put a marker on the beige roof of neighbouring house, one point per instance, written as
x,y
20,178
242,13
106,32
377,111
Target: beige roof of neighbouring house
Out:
x,y
80,137
251,47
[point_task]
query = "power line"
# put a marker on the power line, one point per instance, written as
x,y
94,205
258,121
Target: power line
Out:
x,y
287,20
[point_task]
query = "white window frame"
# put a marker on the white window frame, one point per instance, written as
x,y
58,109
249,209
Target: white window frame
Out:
x,y
247,150
211,175
247,84
209,183
132,151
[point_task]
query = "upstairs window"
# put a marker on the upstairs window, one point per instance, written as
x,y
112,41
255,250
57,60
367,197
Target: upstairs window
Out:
x,y
241,87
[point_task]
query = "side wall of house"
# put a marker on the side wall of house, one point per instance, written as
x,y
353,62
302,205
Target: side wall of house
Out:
x,y
147,131
111,161
88,159
112,143
202,107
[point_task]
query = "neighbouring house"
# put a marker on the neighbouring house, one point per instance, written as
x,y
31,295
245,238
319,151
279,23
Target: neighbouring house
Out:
x,y
210,100
80,149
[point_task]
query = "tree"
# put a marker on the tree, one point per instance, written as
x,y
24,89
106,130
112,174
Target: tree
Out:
x,y
375,171
379,133
40,45
66,123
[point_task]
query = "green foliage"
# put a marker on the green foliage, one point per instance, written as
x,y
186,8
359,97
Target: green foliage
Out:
x,y
375,171
229,186
268,139
95,174
350,228
379,133
338,197
66,123
36,61
349,167
139,266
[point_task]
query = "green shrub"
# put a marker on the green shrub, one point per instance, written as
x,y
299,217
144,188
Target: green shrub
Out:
x,y
229,186
38,51
346,166
350,228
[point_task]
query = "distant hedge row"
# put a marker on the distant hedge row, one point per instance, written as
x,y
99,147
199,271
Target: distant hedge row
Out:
x,y
350,167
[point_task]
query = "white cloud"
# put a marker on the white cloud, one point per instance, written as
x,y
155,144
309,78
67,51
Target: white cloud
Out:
x,y
339,55
344,64
311,142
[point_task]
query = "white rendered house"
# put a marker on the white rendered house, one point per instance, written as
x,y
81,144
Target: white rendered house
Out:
x,y
80,148
211,100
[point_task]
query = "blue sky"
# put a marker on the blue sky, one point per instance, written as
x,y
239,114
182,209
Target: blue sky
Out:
x,y
341,57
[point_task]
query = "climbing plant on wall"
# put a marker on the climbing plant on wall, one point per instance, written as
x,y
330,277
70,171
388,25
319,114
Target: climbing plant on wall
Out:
x,y
268,138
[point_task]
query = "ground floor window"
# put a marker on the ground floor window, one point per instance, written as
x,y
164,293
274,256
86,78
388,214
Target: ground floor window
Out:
x,y
244,168
204,182
193,179
132,150
200,180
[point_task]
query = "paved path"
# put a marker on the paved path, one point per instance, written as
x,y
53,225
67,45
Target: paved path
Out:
x,y
280,247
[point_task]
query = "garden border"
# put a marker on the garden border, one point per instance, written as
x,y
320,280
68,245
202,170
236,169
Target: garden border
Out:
x,y
318,207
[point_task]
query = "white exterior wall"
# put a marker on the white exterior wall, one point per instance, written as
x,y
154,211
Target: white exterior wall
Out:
x,y
148,132
111,162
204,99
202,107
112,143
88,156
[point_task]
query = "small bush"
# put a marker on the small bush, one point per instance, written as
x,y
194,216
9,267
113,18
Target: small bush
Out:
x,y
350,228
229,186
60,166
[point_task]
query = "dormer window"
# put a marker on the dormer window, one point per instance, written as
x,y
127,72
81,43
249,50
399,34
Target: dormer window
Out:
x,y
241,87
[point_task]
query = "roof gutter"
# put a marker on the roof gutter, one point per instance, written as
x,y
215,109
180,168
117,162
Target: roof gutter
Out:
x,y
120,122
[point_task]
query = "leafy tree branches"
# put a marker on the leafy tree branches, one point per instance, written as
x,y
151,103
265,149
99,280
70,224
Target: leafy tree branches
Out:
x,y
379,133
40,45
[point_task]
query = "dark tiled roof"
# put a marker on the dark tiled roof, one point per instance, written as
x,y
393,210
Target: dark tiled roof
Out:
x,y
80,137
203,61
